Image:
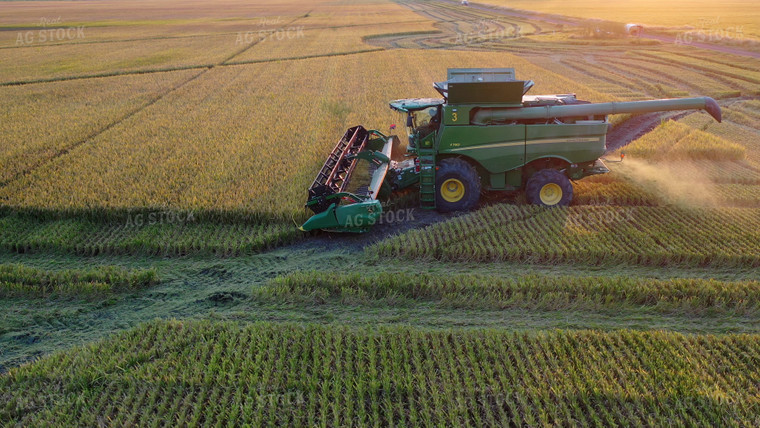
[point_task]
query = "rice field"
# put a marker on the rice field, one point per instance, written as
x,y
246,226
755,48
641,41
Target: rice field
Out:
x,y
194,149
735,14
656,236
675,141
66,114
157,168
204,373
538,292
40,63
18,280
159,232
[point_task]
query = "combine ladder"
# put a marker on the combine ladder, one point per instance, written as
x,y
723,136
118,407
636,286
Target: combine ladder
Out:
x,y
427,178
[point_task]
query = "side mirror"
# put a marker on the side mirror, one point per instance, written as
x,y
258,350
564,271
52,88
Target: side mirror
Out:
x,y
409,121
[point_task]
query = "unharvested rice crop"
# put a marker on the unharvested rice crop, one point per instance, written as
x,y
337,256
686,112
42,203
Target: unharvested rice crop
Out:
x,y
20,280
151,233
202,373
58,62
746,136
713,63
673,141
217,143
526,291
307,42
105,22
43,121
661,71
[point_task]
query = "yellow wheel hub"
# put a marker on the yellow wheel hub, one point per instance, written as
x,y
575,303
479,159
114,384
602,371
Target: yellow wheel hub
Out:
x,y
551,194
452,190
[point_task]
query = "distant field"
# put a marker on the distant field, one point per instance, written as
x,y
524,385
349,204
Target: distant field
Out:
x,y
724,16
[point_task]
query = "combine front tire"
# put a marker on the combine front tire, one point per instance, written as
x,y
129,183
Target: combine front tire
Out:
x,y
549,187
457,186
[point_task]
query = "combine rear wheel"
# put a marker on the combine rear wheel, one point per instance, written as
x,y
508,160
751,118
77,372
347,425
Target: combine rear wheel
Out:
x,y
457,186
549,187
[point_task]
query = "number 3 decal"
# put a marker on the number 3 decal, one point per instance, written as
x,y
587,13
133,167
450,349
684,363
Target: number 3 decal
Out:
x,y
454,117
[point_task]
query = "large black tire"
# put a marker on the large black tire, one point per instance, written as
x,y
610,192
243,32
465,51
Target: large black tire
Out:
x,y
457,185
549,187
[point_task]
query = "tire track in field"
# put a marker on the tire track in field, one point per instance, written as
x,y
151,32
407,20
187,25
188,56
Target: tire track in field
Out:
x,y
66,150
453,18
452,21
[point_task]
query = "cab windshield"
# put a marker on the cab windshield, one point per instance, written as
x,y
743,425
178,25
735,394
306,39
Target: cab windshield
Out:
x,y
426,120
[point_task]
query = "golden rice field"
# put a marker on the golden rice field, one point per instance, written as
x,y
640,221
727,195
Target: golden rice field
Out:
x,y
244,154
153,173
676,141
65,114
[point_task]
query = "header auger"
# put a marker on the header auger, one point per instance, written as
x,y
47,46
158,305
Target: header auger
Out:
x,y
484,134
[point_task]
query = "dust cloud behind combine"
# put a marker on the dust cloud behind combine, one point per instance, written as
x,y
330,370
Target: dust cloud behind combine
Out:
x,y
680,183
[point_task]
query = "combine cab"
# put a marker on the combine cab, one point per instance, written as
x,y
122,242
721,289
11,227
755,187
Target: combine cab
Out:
x,y
484,134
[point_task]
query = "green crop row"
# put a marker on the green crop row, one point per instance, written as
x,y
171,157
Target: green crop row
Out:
x,y
597,235
527,291
202,373
169,235
20,280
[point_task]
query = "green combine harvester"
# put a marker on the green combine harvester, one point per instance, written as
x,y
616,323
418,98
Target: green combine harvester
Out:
x,y
485,134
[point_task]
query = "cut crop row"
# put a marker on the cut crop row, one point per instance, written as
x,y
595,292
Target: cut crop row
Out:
x,y
20,280
527,291
203,373
597,235
23,234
